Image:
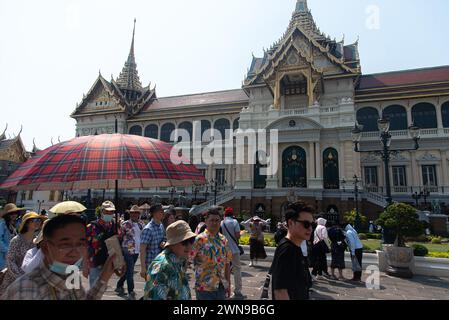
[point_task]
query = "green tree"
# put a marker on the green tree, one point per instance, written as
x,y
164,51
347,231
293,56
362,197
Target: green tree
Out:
x,y
403,221
349,217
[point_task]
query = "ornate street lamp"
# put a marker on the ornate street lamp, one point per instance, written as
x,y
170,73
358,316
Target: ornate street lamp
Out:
x,y
172,192
358,220
416,196
385,152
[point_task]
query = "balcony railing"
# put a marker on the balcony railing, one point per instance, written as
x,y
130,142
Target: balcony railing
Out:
x,y
438,190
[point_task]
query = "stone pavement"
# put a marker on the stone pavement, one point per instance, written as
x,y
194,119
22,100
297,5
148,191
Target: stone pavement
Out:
x,y
418,288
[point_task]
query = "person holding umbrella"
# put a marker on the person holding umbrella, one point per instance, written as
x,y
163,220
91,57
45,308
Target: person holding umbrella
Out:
x,y
97,233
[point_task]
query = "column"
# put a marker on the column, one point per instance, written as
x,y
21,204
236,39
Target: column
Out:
x,y
445,170
439,117
319,158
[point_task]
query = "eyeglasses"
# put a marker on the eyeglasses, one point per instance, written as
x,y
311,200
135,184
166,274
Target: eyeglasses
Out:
x,y
188,242
66,249
306,224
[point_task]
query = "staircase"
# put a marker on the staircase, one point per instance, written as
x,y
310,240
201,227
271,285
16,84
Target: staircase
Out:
x,y
375,198
221,198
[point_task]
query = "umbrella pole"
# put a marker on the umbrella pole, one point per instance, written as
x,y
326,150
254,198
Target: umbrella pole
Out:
x,y
116,207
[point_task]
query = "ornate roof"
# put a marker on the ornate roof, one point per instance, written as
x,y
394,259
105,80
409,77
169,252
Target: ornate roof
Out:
x,y
344,56
129,77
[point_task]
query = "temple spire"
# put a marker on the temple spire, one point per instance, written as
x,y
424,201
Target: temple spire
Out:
x,y
129,78
301,6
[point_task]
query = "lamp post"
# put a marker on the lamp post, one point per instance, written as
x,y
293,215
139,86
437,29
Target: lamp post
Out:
x,y
416,196
40,202
425,193
386,151
195,193
172,192
206,194
358,220
215,190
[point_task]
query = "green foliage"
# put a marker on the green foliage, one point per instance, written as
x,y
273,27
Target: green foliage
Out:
x,y
420,238
419,250
363,236
436,240
349,217
375,236
438,255
268,241
403,220
98,211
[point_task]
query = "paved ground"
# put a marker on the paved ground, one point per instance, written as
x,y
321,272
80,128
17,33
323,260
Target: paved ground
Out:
x,y
418,288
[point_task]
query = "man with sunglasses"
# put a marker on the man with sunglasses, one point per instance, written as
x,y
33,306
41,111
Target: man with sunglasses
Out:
x,y
64,247
167,278
290,277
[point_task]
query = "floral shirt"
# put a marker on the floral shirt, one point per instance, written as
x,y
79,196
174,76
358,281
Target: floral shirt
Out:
x,y
127,235
96,237
167,278
210,255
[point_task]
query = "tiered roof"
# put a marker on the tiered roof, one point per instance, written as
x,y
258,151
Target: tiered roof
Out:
x,y
347,56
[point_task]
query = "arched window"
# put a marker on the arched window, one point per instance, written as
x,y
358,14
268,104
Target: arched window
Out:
x,y
151,131
260,180
445,114
205,125
188,127
235,124
330,169
424,115
222,125
166,131
397,116
136,130
368,118
294,168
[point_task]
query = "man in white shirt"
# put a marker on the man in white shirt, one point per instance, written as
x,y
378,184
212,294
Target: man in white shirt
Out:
x,y
130,234
231,230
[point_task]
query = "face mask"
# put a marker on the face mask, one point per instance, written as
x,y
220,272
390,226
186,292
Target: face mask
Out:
x,y
108,217
61,268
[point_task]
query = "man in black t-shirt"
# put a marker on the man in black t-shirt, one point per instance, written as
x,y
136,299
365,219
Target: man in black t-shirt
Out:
x,y
290,279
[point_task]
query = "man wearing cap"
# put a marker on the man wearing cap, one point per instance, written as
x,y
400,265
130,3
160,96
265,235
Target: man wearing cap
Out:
x,y
130,233
152,239
167,278
231,230
97,232
7,229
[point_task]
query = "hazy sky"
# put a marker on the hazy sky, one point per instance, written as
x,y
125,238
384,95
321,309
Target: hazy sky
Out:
x,y
52,50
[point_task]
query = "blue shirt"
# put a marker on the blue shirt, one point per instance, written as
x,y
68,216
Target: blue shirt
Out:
x,y
233,226
5,239
152,236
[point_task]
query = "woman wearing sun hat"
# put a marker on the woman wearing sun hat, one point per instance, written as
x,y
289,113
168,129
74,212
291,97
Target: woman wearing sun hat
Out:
x,y
8,230
20,244
256,241
167,278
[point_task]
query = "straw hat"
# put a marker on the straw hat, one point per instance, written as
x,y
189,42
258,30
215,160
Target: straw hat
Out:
x,y
11,208
28,216
178,232
256,218
135,209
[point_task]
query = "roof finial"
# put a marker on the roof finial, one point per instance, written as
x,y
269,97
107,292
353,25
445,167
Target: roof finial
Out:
x,y
51,141
21,128
301,6
59,139
3,136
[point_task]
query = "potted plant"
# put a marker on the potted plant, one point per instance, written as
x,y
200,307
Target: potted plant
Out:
x,y
403,221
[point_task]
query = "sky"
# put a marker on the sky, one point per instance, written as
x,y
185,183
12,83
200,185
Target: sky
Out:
x,y
51,51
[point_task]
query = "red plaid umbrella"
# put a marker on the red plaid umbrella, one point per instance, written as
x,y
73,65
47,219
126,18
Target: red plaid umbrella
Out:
x,y
96,162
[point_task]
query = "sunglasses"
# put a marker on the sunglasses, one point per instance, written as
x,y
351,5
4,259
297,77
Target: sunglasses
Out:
x,y
188,242
306,224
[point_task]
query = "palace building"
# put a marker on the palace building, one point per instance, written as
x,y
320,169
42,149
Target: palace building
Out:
x,y
312,90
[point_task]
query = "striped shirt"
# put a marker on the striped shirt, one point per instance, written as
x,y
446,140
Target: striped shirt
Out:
x,y
42,284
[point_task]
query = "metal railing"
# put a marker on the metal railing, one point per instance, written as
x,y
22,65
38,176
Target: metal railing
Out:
x,y
221,198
